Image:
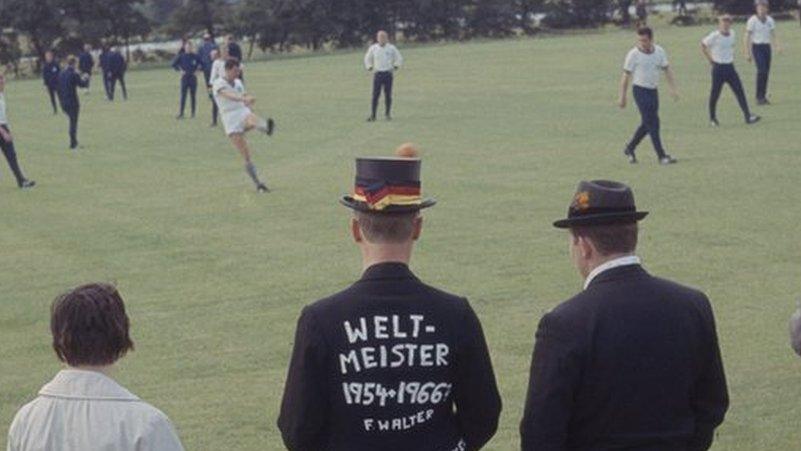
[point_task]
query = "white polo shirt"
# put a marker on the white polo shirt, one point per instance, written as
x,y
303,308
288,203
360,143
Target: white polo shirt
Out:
x,y
3,117
646,67
227,105
761,32
721,47
382,58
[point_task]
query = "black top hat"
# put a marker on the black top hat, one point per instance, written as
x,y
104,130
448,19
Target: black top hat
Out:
x,y
601,202
387,185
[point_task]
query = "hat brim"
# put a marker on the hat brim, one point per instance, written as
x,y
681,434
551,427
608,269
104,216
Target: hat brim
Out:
x,y
600,219
353,204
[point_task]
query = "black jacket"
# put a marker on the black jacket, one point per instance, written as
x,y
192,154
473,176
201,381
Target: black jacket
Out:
x,y
632,363
50,73
68,83
389,364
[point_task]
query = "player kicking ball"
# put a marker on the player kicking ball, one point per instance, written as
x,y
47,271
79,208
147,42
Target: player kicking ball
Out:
x,y
237,117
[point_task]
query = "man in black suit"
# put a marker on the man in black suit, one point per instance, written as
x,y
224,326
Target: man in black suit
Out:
x,y
68,83
632,362
50,71
389,363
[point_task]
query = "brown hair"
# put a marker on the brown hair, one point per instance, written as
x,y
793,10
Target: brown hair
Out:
x,y
610,239
90,326
386,228
646,31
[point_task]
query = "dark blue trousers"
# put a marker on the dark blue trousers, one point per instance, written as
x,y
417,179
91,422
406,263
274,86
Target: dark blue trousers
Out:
x,y
647,101
725,74
106,80
53,91
11,157
762,56
382,80
72,112
188,85
112,85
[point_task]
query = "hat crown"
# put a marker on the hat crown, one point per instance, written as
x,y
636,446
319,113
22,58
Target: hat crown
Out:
x,y
388,169
600,195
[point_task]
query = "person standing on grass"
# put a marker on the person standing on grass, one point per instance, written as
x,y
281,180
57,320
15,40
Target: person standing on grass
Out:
x,y
187,63
383,59
643,67
216,71
238,118
760,37
632,362
68,83
390,363
103,63
718,48
86,63
116,73
641,9
204,52
7,141
83,408
50,71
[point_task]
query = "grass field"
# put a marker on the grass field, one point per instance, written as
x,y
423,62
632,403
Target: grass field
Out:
x,y
215,275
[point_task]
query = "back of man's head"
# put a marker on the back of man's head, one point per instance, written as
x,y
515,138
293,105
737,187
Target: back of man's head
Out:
x,y
397,228
610,239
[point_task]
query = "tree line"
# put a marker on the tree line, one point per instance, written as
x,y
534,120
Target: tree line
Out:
x,y
29,27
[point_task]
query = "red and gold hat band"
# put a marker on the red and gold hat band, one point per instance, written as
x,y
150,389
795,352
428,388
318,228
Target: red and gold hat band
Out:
x,y
379,196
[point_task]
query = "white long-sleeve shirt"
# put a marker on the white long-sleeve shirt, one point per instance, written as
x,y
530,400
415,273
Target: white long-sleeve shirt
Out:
x,y
3,117
382,58
88,411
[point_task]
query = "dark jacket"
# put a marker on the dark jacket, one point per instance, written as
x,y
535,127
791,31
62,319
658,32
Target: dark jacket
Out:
x,y
68,82
632,363
189,63
103,59
116,63
381,366
50,73
86,62
204,52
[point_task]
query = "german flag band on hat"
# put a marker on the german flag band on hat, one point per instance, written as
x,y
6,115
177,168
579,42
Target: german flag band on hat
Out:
x,y
387,185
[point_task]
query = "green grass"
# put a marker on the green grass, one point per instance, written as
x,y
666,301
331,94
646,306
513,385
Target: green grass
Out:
x,y
214,275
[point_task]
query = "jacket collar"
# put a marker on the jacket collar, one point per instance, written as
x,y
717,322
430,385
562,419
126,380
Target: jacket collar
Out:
x,y
86,385
388,270
614,270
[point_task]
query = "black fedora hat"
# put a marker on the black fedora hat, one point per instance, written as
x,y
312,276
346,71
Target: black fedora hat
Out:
x,y
601,202
387,185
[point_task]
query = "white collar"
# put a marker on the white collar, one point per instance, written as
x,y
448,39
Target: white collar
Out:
x,y
615,263
81,384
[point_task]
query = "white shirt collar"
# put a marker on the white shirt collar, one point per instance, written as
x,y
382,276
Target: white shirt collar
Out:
x,y
81,384
616,263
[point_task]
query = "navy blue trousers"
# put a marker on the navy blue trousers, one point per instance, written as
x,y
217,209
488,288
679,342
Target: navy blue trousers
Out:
x,y
111,85
72,112
11,157
382,80
762,56
188,85
647,101
53,90
725,74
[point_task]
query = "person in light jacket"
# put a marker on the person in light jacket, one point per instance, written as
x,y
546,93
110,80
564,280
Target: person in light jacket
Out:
x,y
83,408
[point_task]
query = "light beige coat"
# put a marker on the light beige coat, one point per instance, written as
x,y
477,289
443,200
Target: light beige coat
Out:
x,y
88,411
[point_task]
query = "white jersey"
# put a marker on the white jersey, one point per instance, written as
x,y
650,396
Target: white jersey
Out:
x,y
761,32
225,104
720,46
217,71
3,117
382,58
645,68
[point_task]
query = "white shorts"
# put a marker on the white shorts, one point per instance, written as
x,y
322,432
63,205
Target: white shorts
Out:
x,y
234,121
